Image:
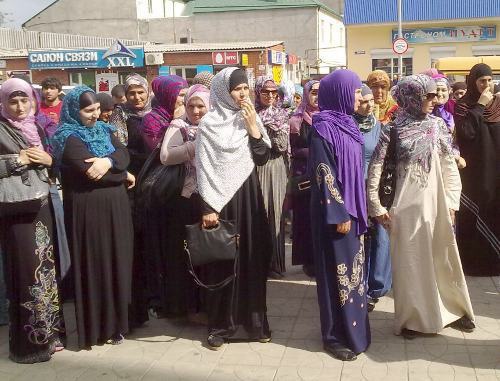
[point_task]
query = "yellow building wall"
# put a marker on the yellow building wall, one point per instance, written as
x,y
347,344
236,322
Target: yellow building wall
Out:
x,y
369,37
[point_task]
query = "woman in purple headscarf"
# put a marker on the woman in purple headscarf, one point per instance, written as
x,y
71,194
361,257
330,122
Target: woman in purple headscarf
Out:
x,y
299,185
430,291
169,94
338,216
273,175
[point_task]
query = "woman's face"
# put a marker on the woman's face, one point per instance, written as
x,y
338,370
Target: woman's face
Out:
x,y
195,110
443,94
366,105
90,114
357,99
482,83
379,92
458,94
137,96
313,95
268,96
297,98
428,103
240,93
19,107
180,109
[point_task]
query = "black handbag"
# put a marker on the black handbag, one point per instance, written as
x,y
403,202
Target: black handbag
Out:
x,y
158,183
299,184
205,246
388,178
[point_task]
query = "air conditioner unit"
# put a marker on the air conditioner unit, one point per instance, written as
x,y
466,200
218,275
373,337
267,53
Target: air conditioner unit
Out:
x,y
154,58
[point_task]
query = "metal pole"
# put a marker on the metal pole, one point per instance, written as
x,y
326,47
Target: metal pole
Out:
x,y
400,35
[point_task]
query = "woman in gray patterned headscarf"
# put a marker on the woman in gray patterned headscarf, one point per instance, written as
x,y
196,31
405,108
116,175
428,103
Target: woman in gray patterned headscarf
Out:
x,y
231,141
430,292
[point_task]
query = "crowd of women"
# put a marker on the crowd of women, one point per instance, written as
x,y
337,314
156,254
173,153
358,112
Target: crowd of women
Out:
x,y
320,151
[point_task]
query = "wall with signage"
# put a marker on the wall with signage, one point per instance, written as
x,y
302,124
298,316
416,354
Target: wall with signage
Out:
x,y
371,44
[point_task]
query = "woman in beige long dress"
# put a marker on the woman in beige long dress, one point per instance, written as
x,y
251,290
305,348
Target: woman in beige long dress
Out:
x,y
430,291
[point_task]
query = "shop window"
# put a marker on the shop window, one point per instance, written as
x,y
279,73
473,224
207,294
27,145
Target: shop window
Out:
x,y
86,77
391,65
187,72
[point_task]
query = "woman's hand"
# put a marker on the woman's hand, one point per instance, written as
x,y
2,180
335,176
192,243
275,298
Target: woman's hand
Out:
x,y
461,163
486,97
384,220
210,220
100,166
39,156
344,227
130,180
23,157
250,116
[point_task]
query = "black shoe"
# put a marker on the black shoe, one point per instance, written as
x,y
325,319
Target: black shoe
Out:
x,y
340,352
463,324
309,270
370,306
409,334
215,342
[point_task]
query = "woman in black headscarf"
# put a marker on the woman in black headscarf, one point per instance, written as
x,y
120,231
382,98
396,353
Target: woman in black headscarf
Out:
x,y
477,118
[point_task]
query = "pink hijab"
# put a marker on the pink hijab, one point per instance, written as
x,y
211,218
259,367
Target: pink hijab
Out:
x,y
304,111
26,126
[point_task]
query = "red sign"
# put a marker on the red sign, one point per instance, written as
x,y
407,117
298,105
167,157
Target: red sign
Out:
x,y
400,46
225,58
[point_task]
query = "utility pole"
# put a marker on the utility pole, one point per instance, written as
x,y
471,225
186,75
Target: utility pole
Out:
x,y
400,35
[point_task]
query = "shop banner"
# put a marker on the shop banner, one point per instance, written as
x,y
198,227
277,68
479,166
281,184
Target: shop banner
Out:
x,y
275,57
106,81
117,55
451,34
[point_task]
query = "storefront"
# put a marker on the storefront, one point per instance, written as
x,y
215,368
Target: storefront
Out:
x,y
258,58
99,69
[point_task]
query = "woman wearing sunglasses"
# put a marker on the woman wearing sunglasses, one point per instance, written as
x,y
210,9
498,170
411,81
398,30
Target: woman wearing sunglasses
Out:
x,y
430,292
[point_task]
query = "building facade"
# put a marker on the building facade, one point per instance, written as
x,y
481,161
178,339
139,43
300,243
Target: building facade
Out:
x,y
308,28
433,29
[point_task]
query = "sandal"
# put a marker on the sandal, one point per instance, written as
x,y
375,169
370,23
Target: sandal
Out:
x,y
463,324
340,352
409,334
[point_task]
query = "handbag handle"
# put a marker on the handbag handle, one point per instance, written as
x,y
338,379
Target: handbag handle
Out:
x,y
221,284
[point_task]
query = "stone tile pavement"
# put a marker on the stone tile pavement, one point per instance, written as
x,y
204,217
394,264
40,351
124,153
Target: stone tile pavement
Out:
x,y
170,350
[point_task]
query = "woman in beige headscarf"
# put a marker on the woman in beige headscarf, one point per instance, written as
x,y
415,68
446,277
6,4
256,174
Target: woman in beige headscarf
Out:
x,y
378,81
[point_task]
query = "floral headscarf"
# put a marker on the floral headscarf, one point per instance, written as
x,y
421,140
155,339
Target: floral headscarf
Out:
x,y
377,78
273,117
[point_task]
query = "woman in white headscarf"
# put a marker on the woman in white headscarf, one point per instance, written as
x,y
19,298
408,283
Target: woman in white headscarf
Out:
x,y
231,141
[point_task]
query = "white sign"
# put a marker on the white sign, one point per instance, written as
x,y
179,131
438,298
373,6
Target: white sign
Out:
x,y
104,82
400,46
3,64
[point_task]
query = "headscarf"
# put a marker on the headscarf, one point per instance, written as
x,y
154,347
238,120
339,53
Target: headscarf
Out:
x,y
299,90
335,124
203,78
97,138
273,117
469,100
417,132
376,78
137,80
286,93
365,122
223,155
26,126
304,111
166,90
195,91
440,110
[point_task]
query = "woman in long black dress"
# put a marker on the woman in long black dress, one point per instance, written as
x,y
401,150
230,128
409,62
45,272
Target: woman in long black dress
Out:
x,y
231,142
477,118
36,327
93,166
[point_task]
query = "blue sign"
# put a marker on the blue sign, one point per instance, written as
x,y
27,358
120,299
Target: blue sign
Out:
x,y
201,68
116,56
452,34
164,70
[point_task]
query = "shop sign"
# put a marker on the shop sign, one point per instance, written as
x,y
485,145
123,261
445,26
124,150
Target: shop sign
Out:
x,y
117,55
3,64
275,57
292,59
164,70
225,58
202,68
244,60
451,34
106,81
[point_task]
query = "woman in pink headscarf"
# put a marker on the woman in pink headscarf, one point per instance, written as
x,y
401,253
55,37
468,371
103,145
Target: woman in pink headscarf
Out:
x,y
27,236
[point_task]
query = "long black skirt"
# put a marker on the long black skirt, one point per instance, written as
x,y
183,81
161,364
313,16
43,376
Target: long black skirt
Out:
x,y
100,226
239,310
35,314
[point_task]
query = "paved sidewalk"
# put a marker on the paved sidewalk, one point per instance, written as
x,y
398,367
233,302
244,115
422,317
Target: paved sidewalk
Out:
x,y
166,350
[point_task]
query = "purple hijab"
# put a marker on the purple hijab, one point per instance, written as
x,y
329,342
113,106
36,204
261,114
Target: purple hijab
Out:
x,y
335,124
305,110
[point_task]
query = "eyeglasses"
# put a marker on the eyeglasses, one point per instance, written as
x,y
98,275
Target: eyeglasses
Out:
x,y
269,93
